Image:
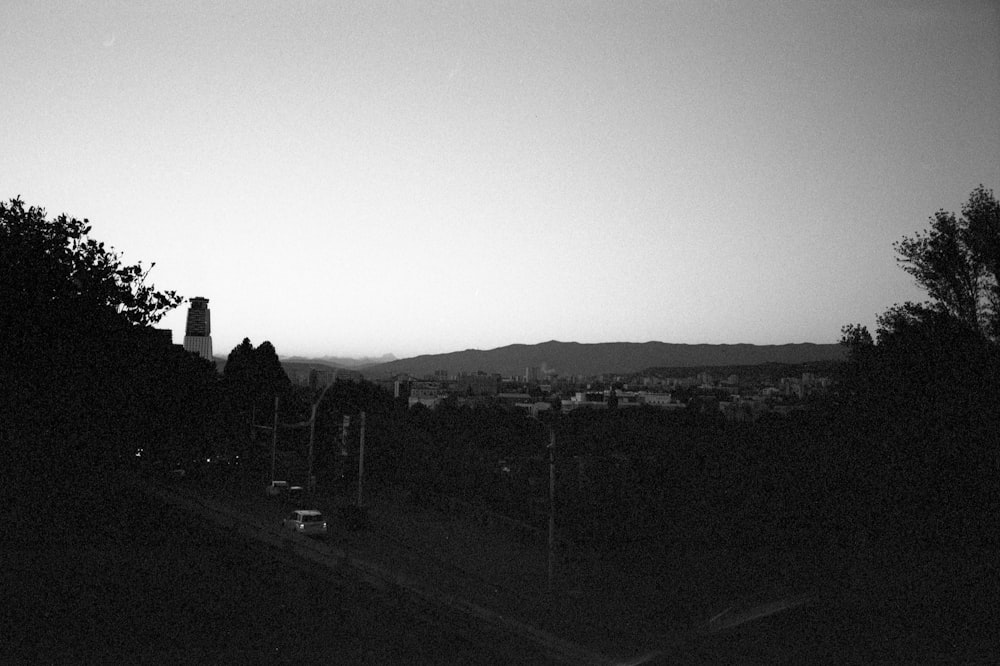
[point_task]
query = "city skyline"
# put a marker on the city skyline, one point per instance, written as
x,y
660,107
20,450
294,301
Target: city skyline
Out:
x,y
362,179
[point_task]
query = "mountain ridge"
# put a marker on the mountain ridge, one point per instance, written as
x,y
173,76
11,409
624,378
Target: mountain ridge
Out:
x,y
588,359
342,361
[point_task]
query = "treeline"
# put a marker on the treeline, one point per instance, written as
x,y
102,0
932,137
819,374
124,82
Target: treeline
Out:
x,y
902,454
629,478
84,376
903,450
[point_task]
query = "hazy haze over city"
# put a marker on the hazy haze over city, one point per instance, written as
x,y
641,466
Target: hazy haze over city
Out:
x,y
361,178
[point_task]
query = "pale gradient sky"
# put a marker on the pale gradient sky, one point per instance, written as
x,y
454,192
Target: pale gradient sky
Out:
x,y
361,178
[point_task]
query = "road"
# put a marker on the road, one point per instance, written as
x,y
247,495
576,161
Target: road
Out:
x,y
96,573
112,576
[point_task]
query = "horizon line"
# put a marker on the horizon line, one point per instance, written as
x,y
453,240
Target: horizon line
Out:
x,y
524,344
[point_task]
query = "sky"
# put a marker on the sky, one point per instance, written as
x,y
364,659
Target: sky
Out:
x,y
366,178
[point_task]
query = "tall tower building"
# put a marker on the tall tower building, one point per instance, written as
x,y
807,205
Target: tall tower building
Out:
x,y
198,335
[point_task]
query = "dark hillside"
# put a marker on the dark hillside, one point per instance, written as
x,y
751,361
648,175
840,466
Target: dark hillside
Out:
x,y
96,572
573,358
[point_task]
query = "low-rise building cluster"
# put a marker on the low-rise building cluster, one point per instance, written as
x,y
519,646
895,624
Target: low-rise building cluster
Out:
x,y
735,398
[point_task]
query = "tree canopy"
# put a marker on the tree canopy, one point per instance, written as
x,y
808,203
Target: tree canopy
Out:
x,y
957,262
53,267
917,404
86,379
254,375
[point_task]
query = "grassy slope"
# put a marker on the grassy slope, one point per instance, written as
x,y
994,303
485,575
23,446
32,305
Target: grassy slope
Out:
x,y
103,577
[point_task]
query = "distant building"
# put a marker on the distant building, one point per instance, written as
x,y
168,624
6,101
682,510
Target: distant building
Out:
x,y
198,334
602,400
401,387
792,386
533,409
511,398
477,384
661,400
429,394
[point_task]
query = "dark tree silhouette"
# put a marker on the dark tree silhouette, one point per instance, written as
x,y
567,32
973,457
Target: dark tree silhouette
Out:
x,y
957,261
53,265
87,381
917,405
253,376
272,376
240,375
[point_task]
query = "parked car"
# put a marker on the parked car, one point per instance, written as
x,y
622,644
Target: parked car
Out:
x,y
277,487
306,521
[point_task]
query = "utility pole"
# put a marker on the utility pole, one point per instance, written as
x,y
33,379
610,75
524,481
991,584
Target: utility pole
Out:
x,y
361,458
311,482
343,436
312,435
552,504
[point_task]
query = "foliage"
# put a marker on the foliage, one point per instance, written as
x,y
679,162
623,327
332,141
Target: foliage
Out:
x,y
87,380
916,406
957,261
856,338
253,376
904,451
53,265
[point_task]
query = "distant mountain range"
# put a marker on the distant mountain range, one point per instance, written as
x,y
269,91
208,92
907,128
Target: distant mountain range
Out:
x,y
574,358
342,362
298,365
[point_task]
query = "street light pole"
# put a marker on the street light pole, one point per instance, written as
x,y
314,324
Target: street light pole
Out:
x,y
312,436
311,482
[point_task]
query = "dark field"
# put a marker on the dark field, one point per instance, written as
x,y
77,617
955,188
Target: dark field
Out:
x,y
98,574
97,579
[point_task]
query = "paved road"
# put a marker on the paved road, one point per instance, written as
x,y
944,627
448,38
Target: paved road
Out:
x,y
111,577
933,608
